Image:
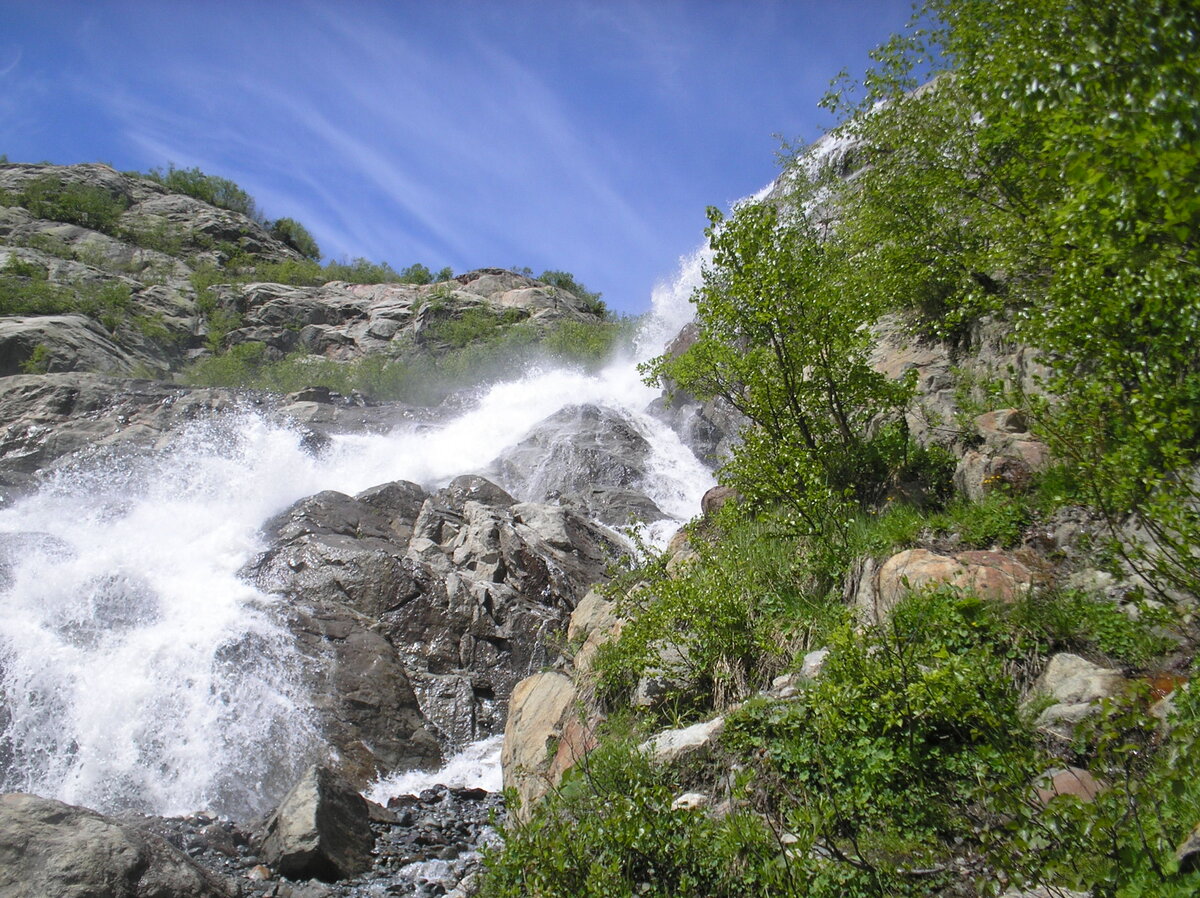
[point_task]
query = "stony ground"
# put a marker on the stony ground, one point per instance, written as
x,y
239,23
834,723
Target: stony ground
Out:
x,y
426,846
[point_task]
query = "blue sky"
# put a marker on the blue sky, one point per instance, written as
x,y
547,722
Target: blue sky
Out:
x,y
575,135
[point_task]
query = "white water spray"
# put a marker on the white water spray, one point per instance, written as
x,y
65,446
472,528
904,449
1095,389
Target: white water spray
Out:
x,y
137,671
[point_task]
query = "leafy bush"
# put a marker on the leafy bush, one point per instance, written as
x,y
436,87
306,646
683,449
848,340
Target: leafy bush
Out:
x,y
295,235
564,280
736,616
610,831
211,189
53,198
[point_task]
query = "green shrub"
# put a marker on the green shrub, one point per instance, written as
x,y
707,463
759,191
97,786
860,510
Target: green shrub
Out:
x,y
736,616
38,361
998,519
879,767
564,280
211,189
610,831
295,235
51,197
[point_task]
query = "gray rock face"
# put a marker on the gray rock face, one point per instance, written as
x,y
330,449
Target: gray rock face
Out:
x,y
321,830
46,418
587,456
70,343
49,848
457,594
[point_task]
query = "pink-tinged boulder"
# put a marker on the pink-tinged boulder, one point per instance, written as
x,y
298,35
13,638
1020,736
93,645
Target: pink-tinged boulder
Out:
x,y
990,575
539,710
1073,781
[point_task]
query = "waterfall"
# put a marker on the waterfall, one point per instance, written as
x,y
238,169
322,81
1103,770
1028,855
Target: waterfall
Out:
x,y
138,672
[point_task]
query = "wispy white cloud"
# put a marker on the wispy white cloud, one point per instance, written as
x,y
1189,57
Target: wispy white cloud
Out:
x,y
10,66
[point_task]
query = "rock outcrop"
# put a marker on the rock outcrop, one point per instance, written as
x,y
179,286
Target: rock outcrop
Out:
x,y
432,606
321,830
50,848
991,575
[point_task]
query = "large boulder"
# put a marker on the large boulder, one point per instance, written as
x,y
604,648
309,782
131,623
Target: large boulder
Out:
x,y
465,590
587,455
50,848
321,830
542,706
876,589
1074,687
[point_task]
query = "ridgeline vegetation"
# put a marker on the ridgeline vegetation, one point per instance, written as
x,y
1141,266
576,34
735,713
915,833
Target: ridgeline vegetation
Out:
x,y
207,265
1033,165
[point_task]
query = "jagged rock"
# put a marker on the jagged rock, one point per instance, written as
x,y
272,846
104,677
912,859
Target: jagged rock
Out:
x,y
1076,687
362,694
586,454
70,343
539,709
467,588
321,830
49,848
991,575
687,744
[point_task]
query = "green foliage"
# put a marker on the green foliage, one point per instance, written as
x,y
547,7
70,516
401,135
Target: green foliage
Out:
x,y
588,343
736,616
471,351
783,341
1122,843
1050,172
295,235
211,189
475,323
1134,635
38,361
882,760
564,280
997,520
416,274
56,199
610,832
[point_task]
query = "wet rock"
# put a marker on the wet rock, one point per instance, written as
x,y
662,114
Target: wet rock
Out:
x,y
362,694
321,830
50,848
579,454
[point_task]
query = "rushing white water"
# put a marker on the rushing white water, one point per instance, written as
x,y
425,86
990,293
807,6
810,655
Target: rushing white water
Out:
x,y
475,767
137,671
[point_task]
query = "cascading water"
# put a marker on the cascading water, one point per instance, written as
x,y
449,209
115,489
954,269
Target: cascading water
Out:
x,y
137,671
